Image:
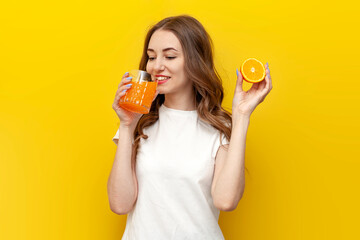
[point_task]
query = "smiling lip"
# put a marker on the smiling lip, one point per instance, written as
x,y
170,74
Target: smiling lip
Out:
x,y
161,81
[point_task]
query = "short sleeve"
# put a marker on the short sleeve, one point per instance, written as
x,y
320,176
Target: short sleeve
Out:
x,y
116,138
217,143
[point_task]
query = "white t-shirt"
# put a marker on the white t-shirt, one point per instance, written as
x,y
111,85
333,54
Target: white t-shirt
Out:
x,y
174,169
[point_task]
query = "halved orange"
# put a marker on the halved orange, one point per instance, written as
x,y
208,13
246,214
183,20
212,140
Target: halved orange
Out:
x,y
253,70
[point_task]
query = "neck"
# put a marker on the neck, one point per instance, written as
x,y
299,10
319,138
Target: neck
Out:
x,y
185,102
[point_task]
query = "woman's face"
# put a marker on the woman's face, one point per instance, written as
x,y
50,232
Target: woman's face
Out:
x,y
166,62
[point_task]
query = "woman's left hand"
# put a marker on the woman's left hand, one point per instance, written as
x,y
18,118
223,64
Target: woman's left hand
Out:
x,y
244,103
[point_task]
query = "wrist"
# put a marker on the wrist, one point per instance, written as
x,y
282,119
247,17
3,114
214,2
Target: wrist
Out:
x,y
124,127
240,119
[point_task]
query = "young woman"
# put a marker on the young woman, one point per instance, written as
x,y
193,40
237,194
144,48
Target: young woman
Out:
x,y
177,167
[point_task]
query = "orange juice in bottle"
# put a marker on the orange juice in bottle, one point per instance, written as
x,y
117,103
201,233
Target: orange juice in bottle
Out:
x,y
140,96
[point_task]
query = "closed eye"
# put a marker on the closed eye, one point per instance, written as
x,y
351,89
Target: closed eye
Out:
x,y
170,58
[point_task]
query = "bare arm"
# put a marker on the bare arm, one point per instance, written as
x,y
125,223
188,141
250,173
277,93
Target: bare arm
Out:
x,y
229,177
122,183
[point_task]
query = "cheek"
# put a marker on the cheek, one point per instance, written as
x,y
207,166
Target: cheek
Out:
x,y
176,67
180,70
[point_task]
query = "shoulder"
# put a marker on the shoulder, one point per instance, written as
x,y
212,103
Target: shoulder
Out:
x,y
211,128
207,127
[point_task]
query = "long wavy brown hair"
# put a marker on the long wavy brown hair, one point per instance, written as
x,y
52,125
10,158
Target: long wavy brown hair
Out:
x,y
199,69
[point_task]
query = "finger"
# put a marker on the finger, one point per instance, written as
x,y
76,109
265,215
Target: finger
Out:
x,y
254,87
267,83
123,88
117,98
261,86
124,80
120,94
239,81
268,75
125,76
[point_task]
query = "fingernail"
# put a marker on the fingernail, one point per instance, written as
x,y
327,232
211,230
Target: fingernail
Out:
x,y
237,72
124,90
125,73
128,78
129,85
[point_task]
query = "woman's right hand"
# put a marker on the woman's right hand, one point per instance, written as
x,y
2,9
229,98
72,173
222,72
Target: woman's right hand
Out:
x,y
127,118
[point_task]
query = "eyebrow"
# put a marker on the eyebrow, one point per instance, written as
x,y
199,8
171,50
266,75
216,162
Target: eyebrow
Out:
x,y
164,50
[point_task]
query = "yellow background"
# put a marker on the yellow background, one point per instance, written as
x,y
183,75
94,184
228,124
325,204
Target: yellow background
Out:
x,y
60,67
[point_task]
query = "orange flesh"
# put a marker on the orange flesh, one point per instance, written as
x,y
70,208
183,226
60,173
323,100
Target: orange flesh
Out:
x,y
139,97
253,71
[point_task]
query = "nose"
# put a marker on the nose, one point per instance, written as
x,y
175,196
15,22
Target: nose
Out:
x,y
159,65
